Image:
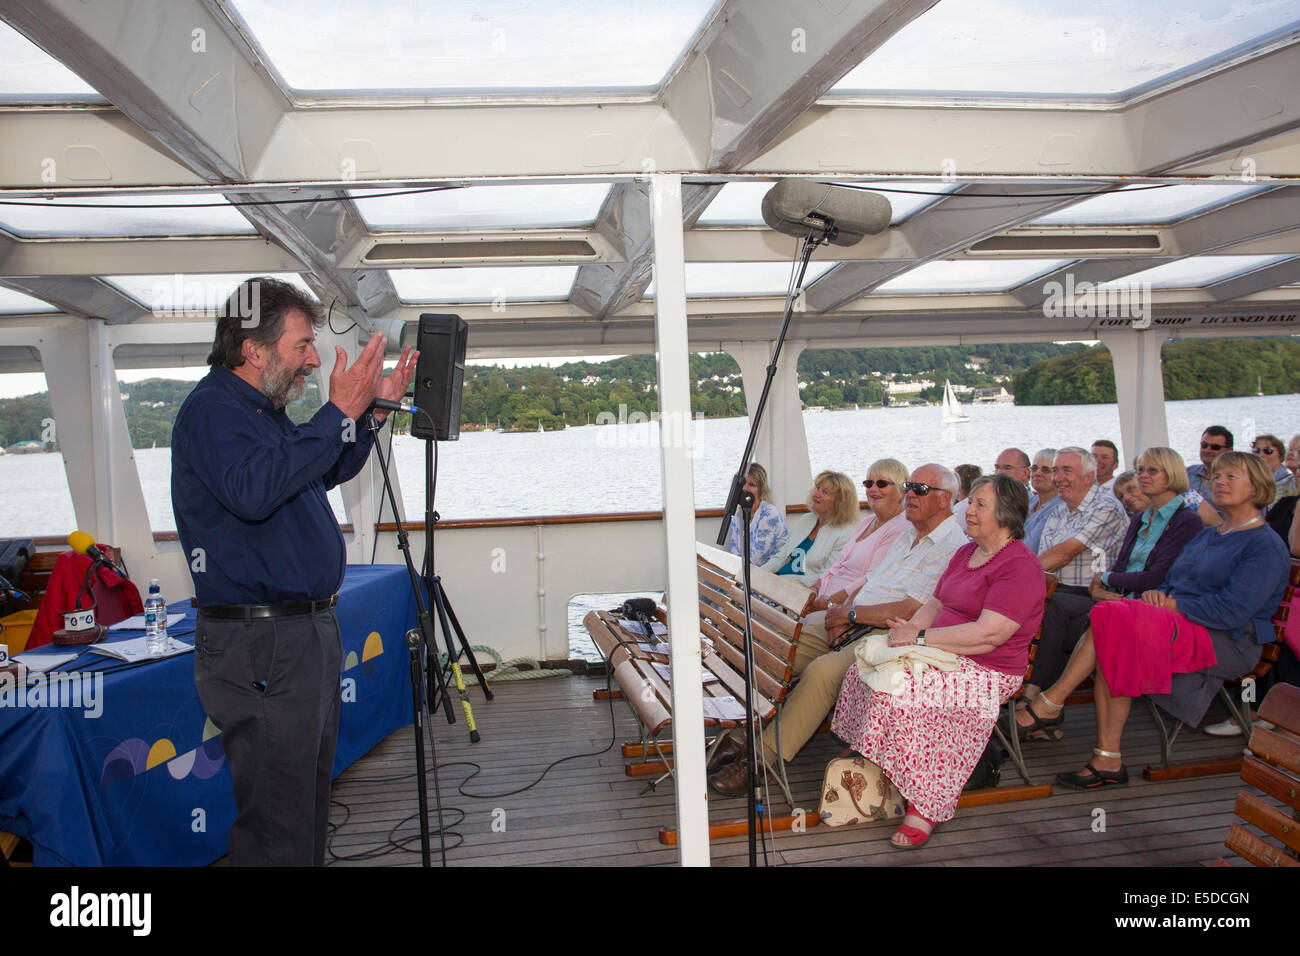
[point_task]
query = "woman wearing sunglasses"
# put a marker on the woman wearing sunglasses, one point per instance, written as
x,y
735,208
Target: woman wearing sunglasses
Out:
x,y
817,537
870,539
1273,453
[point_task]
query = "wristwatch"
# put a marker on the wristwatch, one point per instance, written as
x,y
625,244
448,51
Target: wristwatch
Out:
x,y
920,637
853,614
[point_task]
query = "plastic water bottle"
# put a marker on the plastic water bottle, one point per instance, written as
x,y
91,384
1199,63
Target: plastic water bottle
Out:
x,y
155,620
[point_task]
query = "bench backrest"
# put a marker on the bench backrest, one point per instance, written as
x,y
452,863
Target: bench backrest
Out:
x,y
1272,766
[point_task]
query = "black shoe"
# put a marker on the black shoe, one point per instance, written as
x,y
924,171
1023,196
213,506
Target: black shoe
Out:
x,y
1094,780
1042,728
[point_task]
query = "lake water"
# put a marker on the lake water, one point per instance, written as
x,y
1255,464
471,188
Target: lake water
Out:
x,y
614,468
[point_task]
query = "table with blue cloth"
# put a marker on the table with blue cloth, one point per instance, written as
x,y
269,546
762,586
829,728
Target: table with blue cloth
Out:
x,y
129,771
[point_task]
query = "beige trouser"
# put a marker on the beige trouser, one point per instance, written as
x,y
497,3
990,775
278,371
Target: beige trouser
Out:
x,y
822,672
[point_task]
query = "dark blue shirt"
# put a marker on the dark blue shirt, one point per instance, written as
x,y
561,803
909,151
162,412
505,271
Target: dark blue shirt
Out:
x,y
1231,582
248,488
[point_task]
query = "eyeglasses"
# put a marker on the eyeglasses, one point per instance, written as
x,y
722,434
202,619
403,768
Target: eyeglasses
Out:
x,y
1264,451
1211,447
880,483
920,489
1046,468
1152,470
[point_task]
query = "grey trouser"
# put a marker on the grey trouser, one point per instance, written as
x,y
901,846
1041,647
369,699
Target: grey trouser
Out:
x,y
272,687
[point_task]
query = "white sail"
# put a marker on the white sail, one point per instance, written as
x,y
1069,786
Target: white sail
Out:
x,y
952,412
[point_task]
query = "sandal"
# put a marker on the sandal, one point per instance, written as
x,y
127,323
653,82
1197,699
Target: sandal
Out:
x,y
914,836
1042,728
1094,780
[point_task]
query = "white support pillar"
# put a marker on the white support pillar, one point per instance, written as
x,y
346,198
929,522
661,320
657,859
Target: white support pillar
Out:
x,y
361,495
782,443
1139,389
90,428
673,360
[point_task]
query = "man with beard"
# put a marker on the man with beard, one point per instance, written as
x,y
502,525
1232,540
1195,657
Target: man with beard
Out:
x,y
267,557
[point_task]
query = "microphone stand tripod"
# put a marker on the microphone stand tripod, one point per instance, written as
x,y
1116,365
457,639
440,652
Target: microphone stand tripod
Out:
x,y
438,594
815,238
419,640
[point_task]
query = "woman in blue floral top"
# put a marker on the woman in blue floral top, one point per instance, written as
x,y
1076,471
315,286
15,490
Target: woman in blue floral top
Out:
x,y
767,531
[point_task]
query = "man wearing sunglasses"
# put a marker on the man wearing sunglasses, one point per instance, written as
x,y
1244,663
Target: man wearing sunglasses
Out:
x,y
1215,440
905,580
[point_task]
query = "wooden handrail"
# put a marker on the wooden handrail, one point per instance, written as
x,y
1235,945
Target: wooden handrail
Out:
x,y
524,521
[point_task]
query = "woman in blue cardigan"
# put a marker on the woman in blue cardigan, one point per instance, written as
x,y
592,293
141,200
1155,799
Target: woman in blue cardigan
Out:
x,y
1156,536
1222,591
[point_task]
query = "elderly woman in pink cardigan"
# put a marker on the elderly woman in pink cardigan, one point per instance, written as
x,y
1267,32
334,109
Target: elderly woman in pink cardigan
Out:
x,y
870,539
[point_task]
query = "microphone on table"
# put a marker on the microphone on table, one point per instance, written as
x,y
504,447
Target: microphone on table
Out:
x,y
842,215
83,543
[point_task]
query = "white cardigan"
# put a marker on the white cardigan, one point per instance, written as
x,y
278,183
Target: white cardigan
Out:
x,y
825,550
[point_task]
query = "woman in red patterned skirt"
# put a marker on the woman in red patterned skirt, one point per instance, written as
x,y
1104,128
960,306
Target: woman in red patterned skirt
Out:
x,y
927,724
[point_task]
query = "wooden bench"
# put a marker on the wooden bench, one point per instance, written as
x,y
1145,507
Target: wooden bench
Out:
x,y
1238,703
777,605
1272,767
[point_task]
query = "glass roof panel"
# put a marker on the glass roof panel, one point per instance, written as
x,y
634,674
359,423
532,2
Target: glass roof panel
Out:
x,y
28,73
191,292
740,204
1195,271
484,283
970,275
1141,204
484,207
709,279
18,303
460,46
1064,48
70,217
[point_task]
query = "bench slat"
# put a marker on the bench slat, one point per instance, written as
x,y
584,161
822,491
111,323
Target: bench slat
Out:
x,y
1282,707
1251,848
649,708
1270,819
1277,747
1272,781
735,656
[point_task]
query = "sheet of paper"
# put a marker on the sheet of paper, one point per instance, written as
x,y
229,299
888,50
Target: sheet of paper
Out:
x,y
666,673
39,661
137,623
133,650
723,708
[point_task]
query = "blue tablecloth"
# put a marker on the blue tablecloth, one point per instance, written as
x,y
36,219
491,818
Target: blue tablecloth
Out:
x,y
127,770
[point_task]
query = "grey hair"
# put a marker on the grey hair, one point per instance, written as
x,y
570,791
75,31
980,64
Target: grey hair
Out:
x,y
948,480
1010,502
1048,453
1086,459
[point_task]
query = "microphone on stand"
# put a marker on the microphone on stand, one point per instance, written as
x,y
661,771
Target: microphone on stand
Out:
x,y
83,543
389,406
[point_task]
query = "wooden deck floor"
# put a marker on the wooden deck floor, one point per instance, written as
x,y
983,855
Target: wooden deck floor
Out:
x,y
588,812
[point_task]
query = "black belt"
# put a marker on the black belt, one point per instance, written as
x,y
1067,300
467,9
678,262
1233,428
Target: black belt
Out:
x,y
1074,589
249,612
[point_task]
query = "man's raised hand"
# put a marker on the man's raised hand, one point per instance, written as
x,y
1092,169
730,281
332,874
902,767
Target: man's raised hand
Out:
x,y
394,387
352,389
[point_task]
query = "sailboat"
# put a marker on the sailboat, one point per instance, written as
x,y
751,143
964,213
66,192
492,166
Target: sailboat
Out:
x,y
952,412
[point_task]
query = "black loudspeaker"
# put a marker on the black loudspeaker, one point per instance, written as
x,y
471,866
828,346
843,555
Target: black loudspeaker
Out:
x,y
439,376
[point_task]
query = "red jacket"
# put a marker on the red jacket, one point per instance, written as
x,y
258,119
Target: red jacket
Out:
x,y
116,599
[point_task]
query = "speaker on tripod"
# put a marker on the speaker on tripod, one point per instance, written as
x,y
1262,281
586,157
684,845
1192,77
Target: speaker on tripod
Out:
x,y
439,376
